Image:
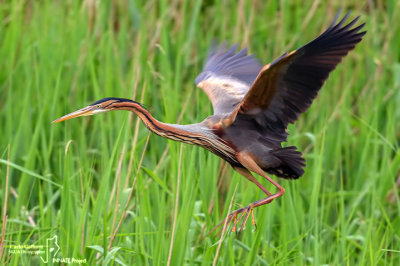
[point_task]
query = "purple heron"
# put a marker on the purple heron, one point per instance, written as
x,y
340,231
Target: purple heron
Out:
x,y
253,105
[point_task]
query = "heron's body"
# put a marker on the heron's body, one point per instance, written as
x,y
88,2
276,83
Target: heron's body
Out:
x,y
253,106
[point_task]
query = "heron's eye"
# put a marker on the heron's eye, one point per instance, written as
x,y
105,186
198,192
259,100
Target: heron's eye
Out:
x,y
99,105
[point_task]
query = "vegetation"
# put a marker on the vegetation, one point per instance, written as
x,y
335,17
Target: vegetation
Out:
x,y
113,194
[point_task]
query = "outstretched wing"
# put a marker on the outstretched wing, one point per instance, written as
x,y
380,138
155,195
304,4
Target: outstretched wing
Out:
x,y
227,77
286,87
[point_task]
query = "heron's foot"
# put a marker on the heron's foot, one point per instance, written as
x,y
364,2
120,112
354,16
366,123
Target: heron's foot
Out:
x,y
235,217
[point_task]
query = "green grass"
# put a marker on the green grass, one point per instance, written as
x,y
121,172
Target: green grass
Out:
x,y
74,180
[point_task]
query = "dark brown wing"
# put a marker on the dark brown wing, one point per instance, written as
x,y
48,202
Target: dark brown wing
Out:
x,y
227,76
286,87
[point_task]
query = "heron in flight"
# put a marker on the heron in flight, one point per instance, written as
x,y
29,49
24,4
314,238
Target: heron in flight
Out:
x,y
253,105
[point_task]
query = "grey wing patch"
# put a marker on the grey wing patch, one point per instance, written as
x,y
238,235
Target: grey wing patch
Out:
x,y
224,93
227,63
227,76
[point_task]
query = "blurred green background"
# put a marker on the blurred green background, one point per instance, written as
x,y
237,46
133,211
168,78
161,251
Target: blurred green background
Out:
x,y
112,194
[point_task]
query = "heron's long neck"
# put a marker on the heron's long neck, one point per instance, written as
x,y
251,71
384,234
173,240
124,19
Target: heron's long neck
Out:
x,y
196,134
180,133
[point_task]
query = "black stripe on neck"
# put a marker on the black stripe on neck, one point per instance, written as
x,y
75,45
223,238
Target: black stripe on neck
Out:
x,y
113,99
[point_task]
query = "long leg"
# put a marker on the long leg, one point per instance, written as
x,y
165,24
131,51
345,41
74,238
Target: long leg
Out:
x,y
246,173
247,161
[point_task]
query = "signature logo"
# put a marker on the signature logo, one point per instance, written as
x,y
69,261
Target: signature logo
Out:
x,y
52,249
49,253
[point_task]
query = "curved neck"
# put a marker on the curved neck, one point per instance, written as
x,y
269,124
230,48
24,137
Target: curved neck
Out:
x,y
171,131
197,134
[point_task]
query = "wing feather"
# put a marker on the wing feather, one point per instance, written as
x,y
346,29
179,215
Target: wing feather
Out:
x,y
286,88
227,76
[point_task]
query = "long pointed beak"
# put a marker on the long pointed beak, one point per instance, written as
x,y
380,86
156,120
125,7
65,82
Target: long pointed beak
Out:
x,y
82,112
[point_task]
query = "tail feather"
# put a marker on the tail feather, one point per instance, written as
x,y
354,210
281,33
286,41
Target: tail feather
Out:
x,y
292,163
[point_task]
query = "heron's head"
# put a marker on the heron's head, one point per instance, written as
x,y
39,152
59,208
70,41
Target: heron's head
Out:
x,y
100,106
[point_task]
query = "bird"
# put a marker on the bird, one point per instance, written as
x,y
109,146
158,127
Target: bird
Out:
x,y
252,107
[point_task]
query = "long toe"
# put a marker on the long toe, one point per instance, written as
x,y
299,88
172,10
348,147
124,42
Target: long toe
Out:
x,y
240,215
